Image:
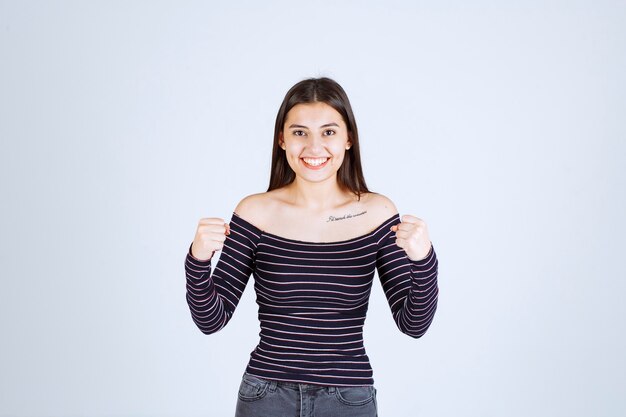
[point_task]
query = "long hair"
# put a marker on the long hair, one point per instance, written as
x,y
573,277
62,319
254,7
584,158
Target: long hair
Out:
x,y
325,90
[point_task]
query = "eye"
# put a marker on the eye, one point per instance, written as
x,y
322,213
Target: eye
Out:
x,y
329,132
298,132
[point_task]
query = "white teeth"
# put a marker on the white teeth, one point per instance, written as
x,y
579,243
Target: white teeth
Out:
x,y
315,161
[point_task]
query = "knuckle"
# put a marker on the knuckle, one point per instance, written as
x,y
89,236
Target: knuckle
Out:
x,y
211,220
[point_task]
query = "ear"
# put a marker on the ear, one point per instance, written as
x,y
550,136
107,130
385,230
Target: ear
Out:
x,y
281,141
348,144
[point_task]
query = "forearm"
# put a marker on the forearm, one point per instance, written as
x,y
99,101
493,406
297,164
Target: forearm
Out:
x,y
420,303
205,304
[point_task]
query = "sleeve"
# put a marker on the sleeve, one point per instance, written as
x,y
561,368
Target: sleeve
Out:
x,y
212,299
410,286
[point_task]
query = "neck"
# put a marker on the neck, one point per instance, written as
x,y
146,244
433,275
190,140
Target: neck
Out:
x,y
317,196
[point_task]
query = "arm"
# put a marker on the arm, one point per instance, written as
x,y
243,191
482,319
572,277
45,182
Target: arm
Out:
x,y
410,286
212,299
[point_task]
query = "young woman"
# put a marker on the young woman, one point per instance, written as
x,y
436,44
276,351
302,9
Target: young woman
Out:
x,y
313,242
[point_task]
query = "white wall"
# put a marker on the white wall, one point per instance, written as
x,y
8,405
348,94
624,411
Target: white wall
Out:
x,y
502,126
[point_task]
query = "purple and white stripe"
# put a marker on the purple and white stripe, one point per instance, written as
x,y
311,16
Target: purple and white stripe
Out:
x,y
312,298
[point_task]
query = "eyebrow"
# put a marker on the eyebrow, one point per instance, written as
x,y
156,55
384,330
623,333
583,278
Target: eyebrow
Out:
x,y
326,125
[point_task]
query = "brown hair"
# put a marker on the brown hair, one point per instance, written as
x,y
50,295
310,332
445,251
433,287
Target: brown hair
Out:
x,y
325,90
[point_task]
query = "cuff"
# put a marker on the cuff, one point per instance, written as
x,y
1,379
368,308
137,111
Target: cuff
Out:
x,y
425,260
206,262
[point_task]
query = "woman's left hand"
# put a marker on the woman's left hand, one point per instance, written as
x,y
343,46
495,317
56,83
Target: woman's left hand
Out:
x,y
412,236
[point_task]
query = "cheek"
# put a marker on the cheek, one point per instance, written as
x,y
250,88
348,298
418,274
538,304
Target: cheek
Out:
x,y
291,150
341,152
292,157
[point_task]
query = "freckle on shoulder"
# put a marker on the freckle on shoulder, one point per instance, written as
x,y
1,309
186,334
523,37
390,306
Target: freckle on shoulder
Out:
x,y
251,207
381,206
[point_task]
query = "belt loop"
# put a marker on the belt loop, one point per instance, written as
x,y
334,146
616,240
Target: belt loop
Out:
x,y
273,384
331,389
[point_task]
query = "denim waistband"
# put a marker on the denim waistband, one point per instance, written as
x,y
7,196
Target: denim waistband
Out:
x,y
297,386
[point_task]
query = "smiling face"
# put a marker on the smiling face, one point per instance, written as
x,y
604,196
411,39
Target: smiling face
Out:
x,y
315,139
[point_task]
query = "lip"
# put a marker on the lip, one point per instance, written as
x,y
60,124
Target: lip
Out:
x,y
315,168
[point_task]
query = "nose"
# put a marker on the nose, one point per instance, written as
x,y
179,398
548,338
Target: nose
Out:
x,y
317,142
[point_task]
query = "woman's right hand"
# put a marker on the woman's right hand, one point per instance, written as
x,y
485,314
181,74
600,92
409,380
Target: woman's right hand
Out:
x,y
210,236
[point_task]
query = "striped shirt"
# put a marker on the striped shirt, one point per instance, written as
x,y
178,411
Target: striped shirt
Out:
x,y
312,298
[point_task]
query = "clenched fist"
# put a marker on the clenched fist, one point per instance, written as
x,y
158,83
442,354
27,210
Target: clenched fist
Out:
x,y
210,237
412,236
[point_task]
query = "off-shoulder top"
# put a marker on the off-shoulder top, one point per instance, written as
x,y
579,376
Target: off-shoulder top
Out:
x,y
312,298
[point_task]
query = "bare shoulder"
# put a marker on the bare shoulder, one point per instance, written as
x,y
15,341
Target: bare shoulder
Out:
x,y
380,206
255,207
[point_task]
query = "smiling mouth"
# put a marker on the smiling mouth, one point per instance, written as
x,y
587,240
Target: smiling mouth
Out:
x,y
315,162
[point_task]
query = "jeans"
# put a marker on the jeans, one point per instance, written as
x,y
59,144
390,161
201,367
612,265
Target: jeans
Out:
x,y
260,397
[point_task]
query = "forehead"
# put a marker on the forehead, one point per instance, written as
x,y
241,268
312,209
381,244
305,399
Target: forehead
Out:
x,y
313,115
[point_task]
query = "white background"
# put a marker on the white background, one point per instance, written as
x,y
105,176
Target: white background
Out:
x,y
501,125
